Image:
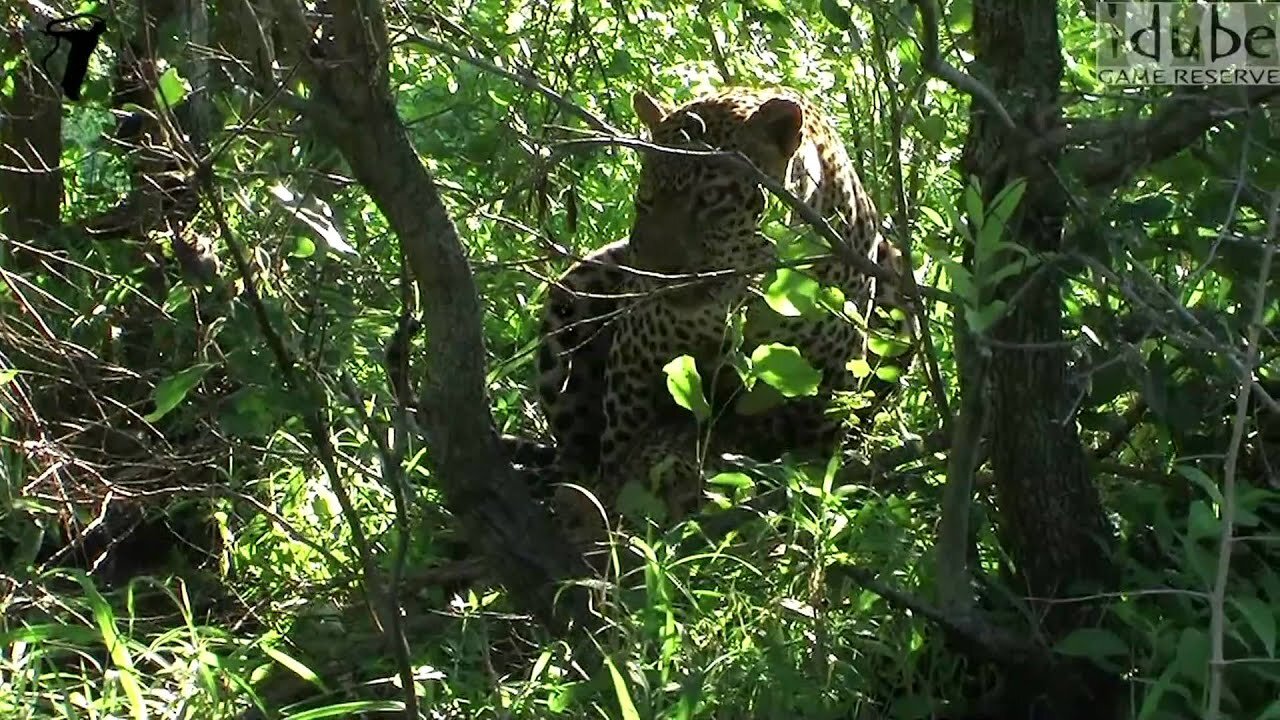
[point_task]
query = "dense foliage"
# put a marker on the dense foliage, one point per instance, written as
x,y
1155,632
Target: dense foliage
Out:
x,y
210,491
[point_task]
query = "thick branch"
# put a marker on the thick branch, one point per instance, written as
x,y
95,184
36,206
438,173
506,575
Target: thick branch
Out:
x,y
1126,146
355,110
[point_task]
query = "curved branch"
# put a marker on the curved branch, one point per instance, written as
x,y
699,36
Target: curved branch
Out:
x,y
351,104
1120,148
939,68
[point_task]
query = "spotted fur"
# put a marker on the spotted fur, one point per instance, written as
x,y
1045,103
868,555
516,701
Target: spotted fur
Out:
x,y
616,318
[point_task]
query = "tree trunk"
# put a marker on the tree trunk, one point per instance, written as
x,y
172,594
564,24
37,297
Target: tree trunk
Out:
x,y
30,152
351,104
1051,517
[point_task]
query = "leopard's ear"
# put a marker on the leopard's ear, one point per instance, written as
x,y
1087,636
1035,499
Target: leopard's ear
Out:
x,y
780,121
649,111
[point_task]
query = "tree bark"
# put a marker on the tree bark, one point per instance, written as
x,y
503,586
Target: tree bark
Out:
x,y
351,105
30,153
1051,517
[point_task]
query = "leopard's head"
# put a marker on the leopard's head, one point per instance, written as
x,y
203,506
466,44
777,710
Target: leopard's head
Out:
x,y
698,214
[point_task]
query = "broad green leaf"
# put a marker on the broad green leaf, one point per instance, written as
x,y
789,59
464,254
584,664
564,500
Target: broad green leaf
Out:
x,y
354,708
1151,699
1007,201
1201,480
1092,643
117,647
889,373
171,88
934,217
792,293
173,390
836,14
303,248
1272,712
782,367
933,128
993,279
859,367
1192,655
685,385
887,347
638,502
1261,618
293,665
1201,521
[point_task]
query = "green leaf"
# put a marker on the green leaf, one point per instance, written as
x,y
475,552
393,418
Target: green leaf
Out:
x,y
1262,620
782,367
685,385
734,480
303,248
792,293
7,376
625,705
1192,655
637,502
1007,201
354,708
982,318
889,373
973,205
117,646
887,347
835,14
171,88
1092,643
934,217
293,665
173,390
1203,481
1201,522
859,367
933,128
1009,270
1151,701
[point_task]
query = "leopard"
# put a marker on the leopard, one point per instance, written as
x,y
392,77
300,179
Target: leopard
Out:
x,y
694,257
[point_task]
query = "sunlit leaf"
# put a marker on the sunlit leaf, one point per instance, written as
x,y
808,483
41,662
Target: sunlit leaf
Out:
x,y
171,88
171,391
782,367
685,385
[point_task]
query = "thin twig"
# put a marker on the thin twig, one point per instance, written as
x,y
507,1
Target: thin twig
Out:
x,y
523,78
1218,599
